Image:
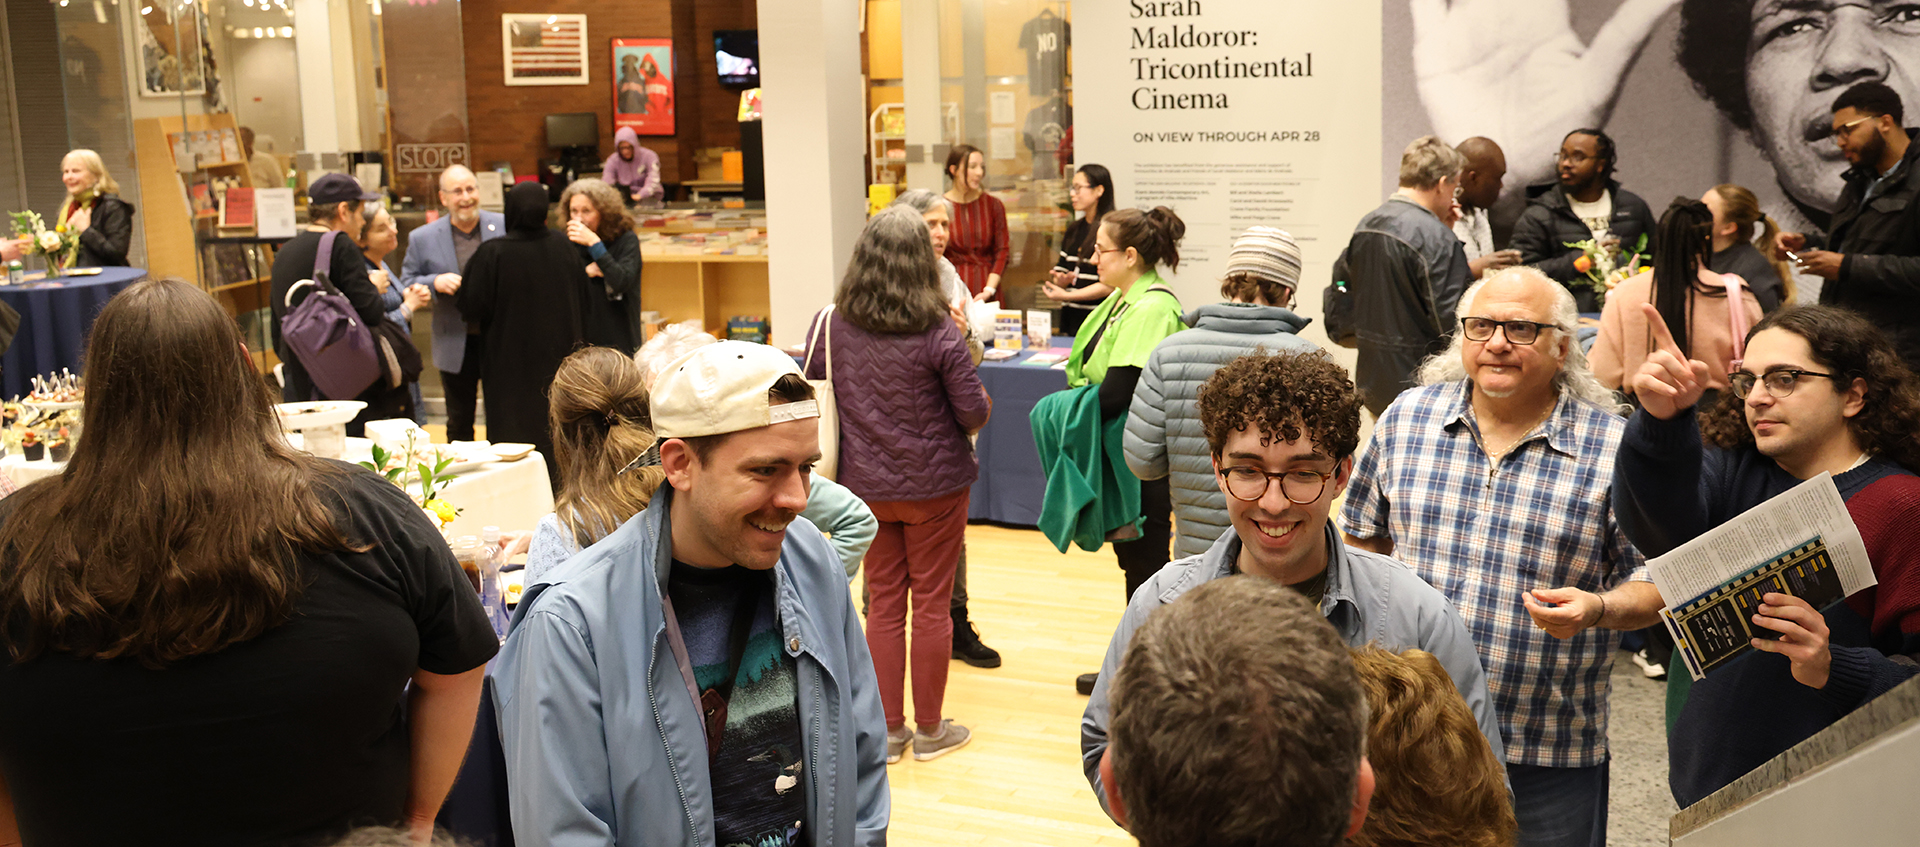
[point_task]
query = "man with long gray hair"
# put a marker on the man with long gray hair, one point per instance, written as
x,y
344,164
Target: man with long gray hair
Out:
x,y
1491,481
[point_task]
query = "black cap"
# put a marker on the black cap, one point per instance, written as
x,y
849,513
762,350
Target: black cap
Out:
x,y
337,188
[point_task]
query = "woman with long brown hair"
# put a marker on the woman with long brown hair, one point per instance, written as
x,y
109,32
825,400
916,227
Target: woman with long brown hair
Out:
x,y
978,244
209,632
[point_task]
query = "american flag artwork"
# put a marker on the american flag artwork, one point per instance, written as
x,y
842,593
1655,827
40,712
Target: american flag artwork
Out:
x,y
544,49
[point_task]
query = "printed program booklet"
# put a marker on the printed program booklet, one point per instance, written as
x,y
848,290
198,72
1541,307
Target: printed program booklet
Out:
x,y
1801,543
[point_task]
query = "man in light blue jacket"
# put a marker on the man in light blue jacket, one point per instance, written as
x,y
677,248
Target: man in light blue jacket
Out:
x,y
437,256
699,676
1283,429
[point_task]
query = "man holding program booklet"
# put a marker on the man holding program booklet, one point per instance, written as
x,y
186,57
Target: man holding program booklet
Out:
x,y
1820,391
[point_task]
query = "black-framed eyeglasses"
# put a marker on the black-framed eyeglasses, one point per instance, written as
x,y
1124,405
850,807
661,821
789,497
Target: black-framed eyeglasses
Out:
x,y
1518,332
1251,484
1840,133
1779,383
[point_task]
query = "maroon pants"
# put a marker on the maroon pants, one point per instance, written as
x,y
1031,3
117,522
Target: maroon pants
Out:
x,y
913,553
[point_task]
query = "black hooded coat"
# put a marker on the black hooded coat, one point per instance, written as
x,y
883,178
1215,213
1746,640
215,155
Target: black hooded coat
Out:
x,y
526,291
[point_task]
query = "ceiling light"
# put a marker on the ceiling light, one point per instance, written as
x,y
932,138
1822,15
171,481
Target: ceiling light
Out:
x,y
286,32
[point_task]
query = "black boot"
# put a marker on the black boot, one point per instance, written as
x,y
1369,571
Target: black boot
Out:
x,y
966,643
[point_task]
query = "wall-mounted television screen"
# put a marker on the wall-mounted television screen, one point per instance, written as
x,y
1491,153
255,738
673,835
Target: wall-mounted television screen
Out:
x,y
737,52
573,129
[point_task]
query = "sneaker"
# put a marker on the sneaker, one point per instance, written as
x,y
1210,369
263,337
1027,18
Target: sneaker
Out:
x,y
951,737
1084,683
1652,669
968,648
898,740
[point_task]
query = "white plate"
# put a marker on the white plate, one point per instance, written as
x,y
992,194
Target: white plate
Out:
x,y
317,413
511,451
50,406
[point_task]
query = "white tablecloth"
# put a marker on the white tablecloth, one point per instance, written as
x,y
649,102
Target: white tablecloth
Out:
x,y
509,495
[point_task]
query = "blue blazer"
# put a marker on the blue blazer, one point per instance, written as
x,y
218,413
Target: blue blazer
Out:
x,y
430,254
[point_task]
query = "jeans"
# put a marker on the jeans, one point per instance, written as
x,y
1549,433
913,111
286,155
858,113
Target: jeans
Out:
x,y
462,391
913,553
1560,807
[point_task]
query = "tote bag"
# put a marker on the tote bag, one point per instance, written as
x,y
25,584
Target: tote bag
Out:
x,y
829,464
326,334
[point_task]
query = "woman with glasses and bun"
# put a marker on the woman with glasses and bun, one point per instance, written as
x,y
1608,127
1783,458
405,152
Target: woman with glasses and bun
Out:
x,y
1075,280
1692,300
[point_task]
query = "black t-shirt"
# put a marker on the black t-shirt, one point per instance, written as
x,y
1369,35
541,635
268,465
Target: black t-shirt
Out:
x,y
759,778
295,262
1045,39
289,739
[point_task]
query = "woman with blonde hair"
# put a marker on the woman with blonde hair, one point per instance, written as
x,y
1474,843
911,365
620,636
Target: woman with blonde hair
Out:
x,y
597,221
93,209
1737,251
601,430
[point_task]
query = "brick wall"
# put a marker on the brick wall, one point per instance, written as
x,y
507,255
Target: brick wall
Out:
x,y
508,122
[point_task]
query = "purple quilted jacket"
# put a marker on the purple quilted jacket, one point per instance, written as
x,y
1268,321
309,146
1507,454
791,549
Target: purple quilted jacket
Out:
x,y
906,404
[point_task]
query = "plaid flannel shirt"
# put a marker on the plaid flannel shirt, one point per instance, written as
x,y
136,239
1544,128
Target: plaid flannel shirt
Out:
x,y
1484,534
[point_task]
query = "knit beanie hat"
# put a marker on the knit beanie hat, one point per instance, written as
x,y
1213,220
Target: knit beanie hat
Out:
x,y
1266,253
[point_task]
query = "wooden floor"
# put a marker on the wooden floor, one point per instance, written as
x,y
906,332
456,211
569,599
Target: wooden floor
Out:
x,y
1019,781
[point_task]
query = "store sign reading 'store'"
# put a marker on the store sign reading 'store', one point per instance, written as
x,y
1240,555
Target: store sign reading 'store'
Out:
x,y
1235,113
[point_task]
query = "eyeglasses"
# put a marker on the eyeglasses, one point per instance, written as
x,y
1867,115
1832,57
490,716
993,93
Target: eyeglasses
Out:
x,y
1779,383
1518,332
1251,484
1097,249
1841,132
1076,188
1577,157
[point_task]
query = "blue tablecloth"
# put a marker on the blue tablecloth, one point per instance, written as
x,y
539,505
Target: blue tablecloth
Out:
x,y
54,320
1012,483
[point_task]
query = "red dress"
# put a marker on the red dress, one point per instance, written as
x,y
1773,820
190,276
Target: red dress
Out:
x,y
978,243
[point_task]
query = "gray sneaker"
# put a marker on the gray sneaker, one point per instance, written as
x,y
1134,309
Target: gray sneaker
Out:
x,y
897,743
951,737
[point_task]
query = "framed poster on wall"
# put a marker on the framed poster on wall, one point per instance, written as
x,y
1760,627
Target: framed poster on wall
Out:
x,y
544,49
169,43
643,85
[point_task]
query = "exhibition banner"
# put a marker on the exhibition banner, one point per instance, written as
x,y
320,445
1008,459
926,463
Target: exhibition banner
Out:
x,y
1234,113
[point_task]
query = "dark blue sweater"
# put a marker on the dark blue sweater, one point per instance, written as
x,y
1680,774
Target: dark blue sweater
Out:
x,y
1669,488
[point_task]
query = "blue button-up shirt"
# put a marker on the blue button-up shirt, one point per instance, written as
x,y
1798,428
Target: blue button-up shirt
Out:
x,y
1484,532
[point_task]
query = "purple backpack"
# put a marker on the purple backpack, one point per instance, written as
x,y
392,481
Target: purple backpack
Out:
x,y
327,335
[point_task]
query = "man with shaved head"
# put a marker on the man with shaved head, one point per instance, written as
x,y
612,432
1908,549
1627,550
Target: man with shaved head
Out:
x,y
437,255
1480,183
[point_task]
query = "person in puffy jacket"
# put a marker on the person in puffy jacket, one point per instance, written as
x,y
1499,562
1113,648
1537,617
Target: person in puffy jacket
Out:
x,y
907,397
1164,437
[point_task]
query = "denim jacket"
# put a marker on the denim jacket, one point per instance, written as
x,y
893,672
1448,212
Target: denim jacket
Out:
x,y
603,737
1370,599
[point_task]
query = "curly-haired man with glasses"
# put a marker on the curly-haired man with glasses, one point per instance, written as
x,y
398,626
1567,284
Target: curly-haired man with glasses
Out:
x,y
1282,429
1821,390
1490,481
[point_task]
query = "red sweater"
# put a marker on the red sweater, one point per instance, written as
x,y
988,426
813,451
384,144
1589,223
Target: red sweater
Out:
x,y
978,244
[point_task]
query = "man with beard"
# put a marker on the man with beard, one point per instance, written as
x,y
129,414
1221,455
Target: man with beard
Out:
x,y
1585,203
699,676
437,256
1776,82
1874,265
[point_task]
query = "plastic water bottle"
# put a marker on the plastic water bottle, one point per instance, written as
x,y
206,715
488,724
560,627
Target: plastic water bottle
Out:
x,y
490,597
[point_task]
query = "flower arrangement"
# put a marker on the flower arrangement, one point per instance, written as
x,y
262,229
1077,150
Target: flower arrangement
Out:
x,y
401,468
1603,272
58,246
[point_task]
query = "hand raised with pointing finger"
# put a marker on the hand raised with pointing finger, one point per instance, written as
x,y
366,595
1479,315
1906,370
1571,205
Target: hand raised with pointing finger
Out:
x,y
1668,382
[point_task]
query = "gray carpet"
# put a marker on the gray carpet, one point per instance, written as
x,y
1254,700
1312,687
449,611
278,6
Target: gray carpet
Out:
x,y
1639,803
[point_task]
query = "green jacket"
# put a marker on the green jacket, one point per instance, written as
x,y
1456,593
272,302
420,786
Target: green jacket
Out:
x,y
1090,491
